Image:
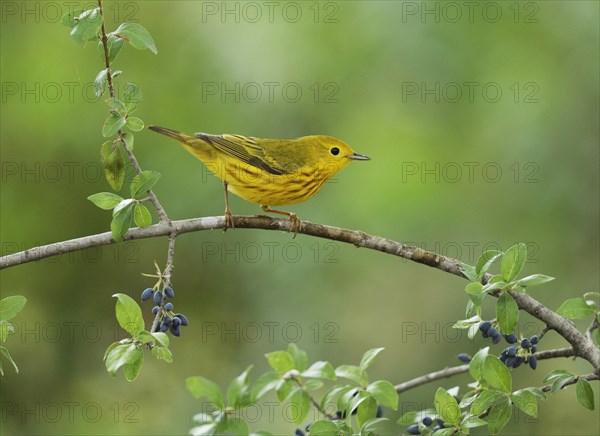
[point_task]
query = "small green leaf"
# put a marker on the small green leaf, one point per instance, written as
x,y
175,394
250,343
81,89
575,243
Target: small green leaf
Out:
x,y
408,418
323,428
121,221
105,200
299,356
283,389
585,394
559,383
353,373
133,367
135,124
145,337
526,401
385,393
469,272
467,323
497,374
141,216
115,103
8,357
114,164
575,308
447,406
100,83
233,425
87,26
113,124
162,353
495,286
6,328
369,357
372,426
119,356
263,384
534,280
136,35
557,373
320,369
299,405
332,393
70,19
499,416
127,139
143,182
238,386
161,338
507,313
472,422
366,411
474,288
477,362
357,400
513,261
202,387
114,44
486,260
129,314
280,361
11,306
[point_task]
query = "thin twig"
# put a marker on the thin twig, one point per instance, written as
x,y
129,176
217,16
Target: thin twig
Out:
x,y
588,377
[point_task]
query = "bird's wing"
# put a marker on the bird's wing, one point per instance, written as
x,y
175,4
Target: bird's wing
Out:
x,y
244,148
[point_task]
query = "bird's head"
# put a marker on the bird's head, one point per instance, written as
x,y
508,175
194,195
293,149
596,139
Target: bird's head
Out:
x,y
329,154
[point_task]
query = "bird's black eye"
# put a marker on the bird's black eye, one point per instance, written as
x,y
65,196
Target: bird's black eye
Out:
x,y
335,151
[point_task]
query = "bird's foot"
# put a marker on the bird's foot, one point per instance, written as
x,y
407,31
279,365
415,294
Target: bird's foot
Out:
x,y
228,221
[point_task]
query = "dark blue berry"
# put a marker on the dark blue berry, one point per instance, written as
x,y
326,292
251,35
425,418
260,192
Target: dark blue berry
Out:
x,y
485,335
518,362
512,351
164,327
532,362
298,432
158,298
169,306
511,339
525,343
169,292
464,357
510,361
484,326
413,429
534,339
147,293
505,352
427,421
155,310
176,322
534,348
175,331
503,358
184,320
492,332
496,339
440,422
379,413
167,320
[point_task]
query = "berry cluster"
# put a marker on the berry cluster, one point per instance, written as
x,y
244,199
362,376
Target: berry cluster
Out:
x,y
168,320
489,331
515,355
427,422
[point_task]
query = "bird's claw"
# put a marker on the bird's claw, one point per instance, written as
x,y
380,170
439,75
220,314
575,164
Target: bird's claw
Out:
x,y
296,224
228,221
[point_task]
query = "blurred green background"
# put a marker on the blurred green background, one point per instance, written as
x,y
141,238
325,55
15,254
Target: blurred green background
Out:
x,y
482,122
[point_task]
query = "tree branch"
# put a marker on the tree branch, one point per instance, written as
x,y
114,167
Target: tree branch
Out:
x,y
588,377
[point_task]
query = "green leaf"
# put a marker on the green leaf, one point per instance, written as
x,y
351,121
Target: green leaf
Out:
x,y
575,308
87,26
105,200
143,182
263,384
357,400
484,400
321,370
385,393
115,103
497,374
507,313
447,406
113,124
100,83
369,357
283,389
11,306
513,261
114,44
559,383
233,425
70,18
312,384
534,280
145,337
129,314
141,216
537,392
162,353
136,35
202,387
323,428
469,272
121,221
114,164
299,356
486,260
557,373
474,288
526,401
299,402
127,139
237,387
6,328
372,426
495,286
592,299
499,416
466,323
280,361
477,362
8,357
133,93
134,366
366,411
161,338
135,124
585,394
353,373
332,393
119,356
472,422
408,418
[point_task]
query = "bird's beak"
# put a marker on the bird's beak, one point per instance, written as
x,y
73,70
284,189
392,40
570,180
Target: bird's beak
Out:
x,y
357,156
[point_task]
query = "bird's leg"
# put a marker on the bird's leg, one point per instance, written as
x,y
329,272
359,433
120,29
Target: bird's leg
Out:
x,y
228,216
296,223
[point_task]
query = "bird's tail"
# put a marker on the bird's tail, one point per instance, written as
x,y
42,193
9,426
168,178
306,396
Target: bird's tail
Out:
x,y
178,136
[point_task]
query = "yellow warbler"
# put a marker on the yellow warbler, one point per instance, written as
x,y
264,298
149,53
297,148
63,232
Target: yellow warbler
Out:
x,y
269,172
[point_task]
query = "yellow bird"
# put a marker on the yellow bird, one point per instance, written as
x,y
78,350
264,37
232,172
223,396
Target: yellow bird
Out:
x,y
269,172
